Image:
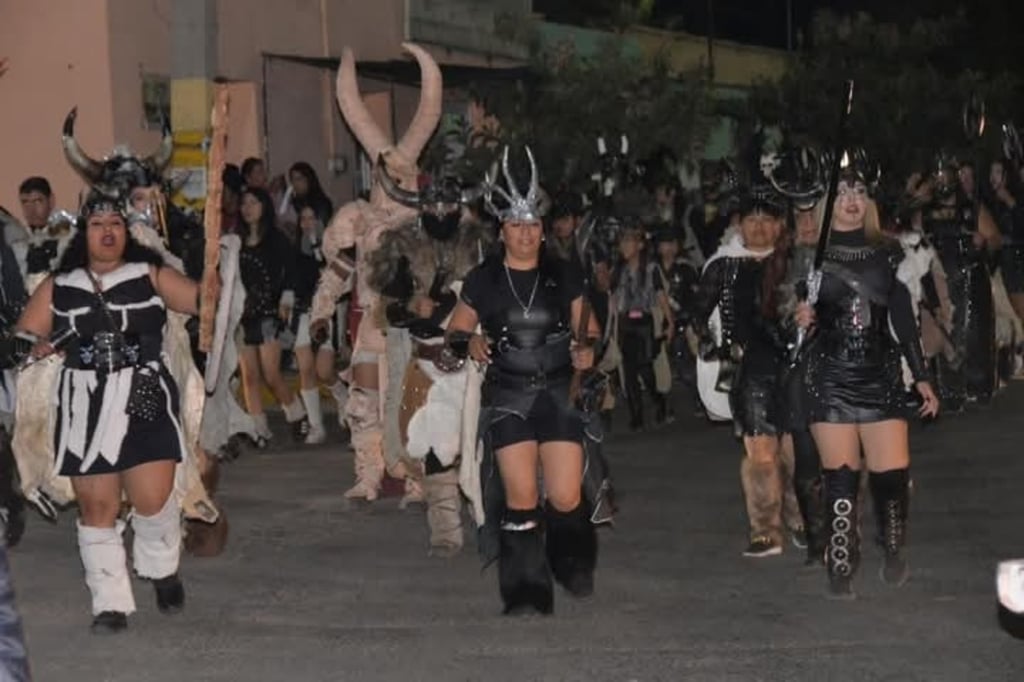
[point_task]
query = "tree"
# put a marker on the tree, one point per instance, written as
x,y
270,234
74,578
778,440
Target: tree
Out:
x,y
571,99
908,97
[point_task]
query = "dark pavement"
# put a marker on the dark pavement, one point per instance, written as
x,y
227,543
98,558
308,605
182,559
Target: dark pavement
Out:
x,y
310,590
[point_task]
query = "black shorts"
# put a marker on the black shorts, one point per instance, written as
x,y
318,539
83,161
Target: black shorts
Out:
x,y
259,330
546,422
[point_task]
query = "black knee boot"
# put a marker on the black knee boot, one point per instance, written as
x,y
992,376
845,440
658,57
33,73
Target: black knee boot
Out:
x,y
523,574
842,555
572,548
890,493
810,495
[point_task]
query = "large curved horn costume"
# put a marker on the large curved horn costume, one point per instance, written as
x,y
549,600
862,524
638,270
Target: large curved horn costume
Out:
x,y
366,130
92,171
393,189
89,168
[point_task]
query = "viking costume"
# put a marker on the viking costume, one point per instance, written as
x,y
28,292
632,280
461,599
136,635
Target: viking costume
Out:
x,y
38,254
951,223
640,330
525,397
117,408
351,237
172,236
428,257
741,358
854,375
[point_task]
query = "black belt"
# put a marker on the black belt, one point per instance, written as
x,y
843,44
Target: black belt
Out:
x,y
529,381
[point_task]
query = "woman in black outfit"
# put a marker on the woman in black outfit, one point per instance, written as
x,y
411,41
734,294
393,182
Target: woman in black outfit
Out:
x,y
265,262
740,281
853,376
529,305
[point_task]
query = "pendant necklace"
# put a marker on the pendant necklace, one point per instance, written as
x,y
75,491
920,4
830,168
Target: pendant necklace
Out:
x,y
529,304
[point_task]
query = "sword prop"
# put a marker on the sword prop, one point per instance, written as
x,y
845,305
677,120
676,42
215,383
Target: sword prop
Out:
x,y
211,220
814,276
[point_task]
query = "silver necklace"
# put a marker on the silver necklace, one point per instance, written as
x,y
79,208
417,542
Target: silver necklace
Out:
x,y
529,304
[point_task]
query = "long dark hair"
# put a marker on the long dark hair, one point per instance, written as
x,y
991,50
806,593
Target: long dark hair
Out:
x,y
775,267
267,216
315,195
76,255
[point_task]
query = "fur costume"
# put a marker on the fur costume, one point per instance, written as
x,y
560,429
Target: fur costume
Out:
x,y
421,424
359,226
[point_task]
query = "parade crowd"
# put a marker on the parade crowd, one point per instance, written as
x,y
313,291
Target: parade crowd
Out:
x,y
470,330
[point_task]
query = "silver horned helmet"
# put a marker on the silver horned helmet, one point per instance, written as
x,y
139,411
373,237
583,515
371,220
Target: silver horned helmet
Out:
x,y
528,207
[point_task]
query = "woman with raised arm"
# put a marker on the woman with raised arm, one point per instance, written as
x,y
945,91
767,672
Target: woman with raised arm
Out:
x,y
528,305
856,401
117,428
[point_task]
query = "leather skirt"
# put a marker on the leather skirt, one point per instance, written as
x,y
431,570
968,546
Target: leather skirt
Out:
x,y
844,388
754,399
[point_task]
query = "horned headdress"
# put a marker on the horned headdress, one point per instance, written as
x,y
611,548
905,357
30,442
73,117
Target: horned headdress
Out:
x,y
525,207
121,171
400,158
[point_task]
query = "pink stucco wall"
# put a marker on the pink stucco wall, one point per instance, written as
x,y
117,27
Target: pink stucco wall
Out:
x,y
92,53
59,58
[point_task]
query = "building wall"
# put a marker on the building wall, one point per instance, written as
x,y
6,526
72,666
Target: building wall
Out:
x,y
140,42
59,57
128,38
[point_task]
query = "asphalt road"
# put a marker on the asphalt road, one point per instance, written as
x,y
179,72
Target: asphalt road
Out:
x,y
309,589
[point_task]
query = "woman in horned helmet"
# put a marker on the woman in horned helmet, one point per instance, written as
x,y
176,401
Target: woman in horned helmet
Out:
x,y
528,304
118,426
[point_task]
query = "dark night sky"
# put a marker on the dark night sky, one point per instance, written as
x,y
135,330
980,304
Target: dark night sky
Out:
x,y
763,22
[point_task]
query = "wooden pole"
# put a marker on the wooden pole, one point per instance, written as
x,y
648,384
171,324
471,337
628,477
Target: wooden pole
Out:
x,y
210,286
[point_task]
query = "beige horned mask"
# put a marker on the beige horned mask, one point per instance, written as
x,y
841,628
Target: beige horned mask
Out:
x,y
399,159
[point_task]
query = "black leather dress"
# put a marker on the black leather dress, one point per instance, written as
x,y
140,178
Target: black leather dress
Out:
x,y
749,339
853,372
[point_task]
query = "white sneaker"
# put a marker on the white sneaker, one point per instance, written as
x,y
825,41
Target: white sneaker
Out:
x,y
316,435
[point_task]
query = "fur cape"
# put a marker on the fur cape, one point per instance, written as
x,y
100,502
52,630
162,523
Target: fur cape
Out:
x,y
412,243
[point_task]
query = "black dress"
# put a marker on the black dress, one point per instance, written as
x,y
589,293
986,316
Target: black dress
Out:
x,y
853,372
751,341
96,430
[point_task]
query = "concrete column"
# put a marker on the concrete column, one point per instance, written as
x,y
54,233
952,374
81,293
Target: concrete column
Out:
x,y
193,68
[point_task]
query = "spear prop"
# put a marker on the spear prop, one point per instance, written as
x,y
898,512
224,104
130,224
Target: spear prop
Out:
x,y
974,128
814,276
211,219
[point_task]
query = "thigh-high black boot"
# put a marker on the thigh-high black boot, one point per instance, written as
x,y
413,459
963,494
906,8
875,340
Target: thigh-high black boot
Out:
x,y
524,577
572,548
890,493
842,555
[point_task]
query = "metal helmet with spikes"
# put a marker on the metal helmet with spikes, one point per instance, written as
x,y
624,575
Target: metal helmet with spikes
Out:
x,y
796,173
121,171
855,166
525,207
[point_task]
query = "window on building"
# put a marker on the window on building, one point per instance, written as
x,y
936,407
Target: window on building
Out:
x,y
156,100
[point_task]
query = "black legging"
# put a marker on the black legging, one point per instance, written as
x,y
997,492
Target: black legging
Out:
x,y
636,342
